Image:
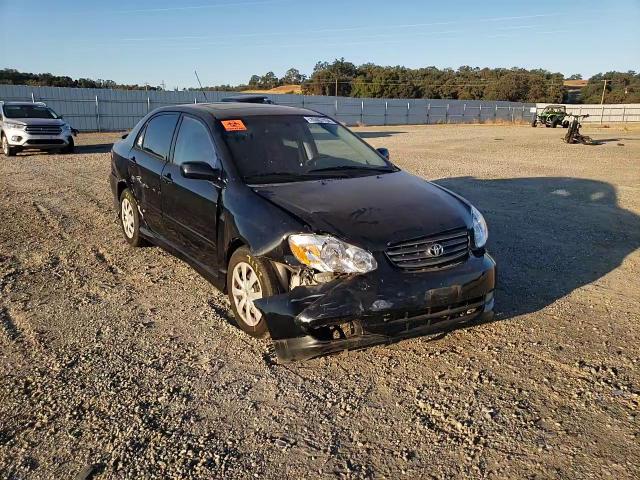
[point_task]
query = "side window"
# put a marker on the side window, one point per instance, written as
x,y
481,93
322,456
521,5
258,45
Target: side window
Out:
x,y
194,144
158,133
140,138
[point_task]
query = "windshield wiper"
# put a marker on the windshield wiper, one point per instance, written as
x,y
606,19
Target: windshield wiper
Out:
x,y
361,168
284,176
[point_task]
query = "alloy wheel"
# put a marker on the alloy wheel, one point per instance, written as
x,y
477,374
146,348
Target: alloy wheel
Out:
x,y
128,218
245,289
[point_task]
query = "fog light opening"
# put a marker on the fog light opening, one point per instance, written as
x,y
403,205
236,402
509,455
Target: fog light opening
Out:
x,y
16,138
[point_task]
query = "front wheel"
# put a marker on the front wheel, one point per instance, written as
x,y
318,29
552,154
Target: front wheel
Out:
x,y
130,219
6,148
249,279
534,122
554,123
71,146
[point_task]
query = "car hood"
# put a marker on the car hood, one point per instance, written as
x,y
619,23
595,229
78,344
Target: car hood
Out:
x,y
37,121
371,211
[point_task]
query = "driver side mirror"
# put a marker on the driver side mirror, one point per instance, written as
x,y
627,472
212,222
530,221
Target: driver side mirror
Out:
x,y
200,171
384,152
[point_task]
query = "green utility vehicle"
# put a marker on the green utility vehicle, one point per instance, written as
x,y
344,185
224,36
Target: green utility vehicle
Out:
x,y
551,116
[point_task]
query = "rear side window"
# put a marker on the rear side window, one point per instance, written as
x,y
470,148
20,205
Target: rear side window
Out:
x,y
194,143
158,134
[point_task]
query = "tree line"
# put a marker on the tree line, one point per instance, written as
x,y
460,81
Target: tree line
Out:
x,y
374,81
9,76
620,88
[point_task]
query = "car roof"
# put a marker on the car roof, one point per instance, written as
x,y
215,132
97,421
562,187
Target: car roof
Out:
x,y
230,110
39,104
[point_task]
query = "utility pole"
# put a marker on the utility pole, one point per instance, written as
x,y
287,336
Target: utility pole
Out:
x,y
336,86
604,90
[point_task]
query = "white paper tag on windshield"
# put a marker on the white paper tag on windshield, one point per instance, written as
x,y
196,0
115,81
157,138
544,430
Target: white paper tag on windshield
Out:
x,y
319,120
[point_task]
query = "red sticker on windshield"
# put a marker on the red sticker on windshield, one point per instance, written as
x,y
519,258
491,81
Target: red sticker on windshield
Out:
x,y
234,125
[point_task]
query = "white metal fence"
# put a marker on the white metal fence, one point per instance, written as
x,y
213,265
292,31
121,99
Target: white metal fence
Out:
x,y
629,112
112,110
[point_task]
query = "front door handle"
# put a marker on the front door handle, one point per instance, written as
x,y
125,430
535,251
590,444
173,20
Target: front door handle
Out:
x,y
166,178
133,159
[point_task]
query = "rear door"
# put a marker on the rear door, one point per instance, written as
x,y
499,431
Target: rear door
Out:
x,y
147,158
189,207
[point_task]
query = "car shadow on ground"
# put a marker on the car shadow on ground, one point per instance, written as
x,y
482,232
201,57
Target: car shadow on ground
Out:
x,y
365,135
94,148
549,235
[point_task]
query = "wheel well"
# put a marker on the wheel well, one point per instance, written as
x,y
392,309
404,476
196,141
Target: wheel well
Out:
x,y
233,246
122,185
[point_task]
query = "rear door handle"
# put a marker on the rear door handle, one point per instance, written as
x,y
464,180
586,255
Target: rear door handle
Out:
x,y
166,178
133,159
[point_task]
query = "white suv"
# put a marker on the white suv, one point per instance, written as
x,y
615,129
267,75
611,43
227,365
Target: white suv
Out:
x,y
27,126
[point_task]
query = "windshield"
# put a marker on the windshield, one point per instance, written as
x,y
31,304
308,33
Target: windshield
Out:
x,y
292,148
28,111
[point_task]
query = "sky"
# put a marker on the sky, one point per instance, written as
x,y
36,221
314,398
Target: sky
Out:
x,y
226,41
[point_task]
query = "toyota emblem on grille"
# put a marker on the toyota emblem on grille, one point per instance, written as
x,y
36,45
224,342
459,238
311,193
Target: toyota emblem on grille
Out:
x,y
435,250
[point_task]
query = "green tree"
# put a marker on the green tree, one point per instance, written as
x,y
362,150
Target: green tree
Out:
x,y
292,77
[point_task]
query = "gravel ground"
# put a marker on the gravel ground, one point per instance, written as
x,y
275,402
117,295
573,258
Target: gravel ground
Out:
x,y
121,363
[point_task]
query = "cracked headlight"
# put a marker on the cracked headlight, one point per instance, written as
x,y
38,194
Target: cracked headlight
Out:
x,y
328,254
480,229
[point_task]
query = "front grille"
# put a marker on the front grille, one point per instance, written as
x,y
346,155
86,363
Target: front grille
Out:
x,y
397,323
43,129
418,254
44,141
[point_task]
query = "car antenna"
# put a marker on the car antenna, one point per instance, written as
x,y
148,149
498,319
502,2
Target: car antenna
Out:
x,y
201,89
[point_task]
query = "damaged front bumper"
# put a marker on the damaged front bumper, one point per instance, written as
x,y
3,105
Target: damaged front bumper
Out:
x,y
383,306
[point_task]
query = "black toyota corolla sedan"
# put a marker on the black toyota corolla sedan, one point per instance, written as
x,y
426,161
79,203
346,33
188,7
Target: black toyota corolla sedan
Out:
x,y
319,240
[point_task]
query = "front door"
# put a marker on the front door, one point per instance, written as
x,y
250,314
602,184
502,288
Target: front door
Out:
x,y
147,158
189,206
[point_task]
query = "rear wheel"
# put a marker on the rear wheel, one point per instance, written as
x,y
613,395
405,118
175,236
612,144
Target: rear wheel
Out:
x,y
7,149
555,122
130,219
249,279
534,122
565,124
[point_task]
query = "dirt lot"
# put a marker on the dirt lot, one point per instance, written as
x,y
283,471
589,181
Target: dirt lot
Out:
x,y
121,363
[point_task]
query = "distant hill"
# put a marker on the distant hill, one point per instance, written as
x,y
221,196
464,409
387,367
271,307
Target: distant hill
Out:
x,y
576,83
281,90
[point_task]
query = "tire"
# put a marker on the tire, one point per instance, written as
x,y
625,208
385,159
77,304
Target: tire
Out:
x,y
534,122
71,148
565,124
554,122
250,278
130,219
6,148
